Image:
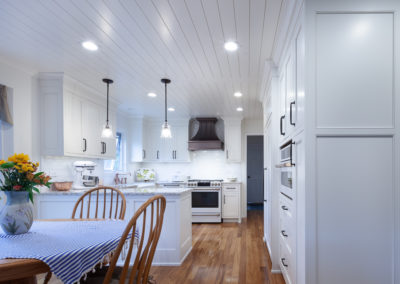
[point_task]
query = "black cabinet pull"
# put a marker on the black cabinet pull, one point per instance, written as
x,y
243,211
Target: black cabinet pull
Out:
x,y
284,208
283,262
144,154
281,125
85,145
105,147
283,232
291,114
102,147
158,154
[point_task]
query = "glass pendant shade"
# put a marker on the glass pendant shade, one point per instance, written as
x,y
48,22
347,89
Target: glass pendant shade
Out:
x,y
166,131
107,132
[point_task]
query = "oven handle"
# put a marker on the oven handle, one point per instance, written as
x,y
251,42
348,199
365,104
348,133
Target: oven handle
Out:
x,y
201,214
284,165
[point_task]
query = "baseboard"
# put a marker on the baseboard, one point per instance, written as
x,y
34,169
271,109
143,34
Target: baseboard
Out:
x,y
172,263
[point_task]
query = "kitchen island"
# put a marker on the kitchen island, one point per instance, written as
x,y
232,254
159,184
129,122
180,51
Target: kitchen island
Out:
x,y
176,236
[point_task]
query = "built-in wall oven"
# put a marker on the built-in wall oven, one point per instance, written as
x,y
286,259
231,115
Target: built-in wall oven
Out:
x,y
287,169
206,200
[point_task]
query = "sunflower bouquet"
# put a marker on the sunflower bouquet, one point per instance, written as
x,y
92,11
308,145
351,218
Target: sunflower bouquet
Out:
x,y
20,174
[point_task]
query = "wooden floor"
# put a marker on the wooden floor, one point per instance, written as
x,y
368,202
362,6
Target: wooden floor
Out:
x,y
224,253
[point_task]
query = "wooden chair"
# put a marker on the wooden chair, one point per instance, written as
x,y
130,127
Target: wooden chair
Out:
x,y
149,220
119,209
118,213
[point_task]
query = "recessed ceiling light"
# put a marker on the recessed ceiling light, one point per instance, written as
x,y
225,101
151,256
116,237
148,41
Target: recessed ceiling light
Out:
x,y
152,95
239,109
171,109
238,94
90,45
231,46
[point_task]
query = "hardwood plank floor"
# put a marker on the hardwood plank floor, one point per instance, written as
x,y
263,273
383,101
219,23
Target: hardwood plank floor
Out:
x,y
224,253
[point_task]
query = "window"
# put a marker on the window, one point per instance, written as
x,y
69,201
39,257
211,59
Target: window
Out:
x,y
117,164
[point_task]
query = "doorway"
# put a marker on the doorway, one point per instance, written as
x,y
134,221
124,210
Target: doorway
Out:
x,y
255,171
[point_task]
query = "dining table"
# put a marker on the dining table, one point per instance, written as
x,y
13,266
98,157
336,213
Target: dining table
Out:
x,y
68,248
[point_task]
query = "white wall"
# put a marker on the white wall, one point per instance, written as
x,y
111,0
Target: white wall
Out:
x,y
21,82
203,165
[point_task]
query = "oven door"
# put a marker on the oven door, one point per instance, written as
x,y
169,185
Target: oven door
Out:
x,y
287,181
206,200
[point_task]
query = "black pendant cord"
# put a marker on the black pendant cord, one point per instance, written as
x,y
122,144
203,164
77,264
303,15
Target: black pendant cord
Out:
x,y
108,84
165,102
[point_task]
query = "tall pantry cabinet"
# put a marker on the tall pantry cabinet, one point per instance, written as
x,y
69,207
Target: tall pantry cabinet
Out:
x,y
338,103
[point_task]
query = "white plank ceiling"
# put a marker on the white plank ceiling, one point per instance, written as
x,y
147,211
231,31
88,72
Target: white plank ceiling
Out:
x,y
141,41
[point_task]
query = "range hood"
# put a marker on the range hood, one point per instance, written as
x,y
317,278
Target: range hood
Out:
x,y
206,137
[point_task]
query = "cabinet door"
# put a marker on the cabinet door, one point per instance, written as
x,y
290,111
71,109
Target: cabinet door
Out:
x,y
180,152
282,104
152,145
233,143
230,205
73,143
290,69
91,129
300,69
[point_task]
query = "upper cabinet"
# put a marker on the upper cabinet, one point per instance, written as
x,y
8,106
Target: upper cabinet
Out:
x,y
291,88
148,146
72,122
233,139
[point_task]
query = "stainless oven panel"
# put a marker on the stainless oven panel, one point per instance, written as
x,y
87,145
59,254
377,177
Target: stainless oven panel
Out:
x,y
286,153
287,178
205,199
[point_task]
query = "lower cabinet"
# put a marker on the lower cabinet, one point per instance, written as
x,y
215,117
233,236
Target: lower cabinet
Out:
x,y
287,239
175,241
231,202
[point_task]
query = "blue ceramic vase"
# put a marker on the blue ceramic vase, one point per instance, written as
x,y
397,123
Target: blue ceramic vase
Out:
x,y
16,217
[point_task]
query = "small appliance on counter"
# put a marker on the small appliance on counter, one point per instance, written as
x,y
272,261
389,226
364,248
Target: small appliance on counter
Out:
x,y
84,177
145,175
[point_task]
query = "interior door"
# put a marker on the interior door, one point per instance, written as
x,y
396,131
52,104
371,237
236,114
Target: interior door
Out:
x,y
255,166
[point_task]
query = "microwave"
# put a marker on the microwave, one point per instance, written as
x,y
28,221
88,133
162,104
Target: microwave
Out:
x,y
286,154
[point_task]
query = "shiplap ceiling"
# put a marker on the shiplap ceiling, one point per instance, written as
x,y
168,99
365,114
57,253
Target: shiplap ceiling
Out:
x,y
144,40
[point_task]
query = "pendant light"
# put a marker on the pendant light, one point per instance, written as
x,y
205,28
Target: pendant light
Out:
x,y
107,129
165,129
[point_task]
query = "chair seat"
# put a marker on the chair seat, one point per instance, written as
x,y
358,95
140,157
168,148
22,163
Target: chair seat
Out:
x,y
100,274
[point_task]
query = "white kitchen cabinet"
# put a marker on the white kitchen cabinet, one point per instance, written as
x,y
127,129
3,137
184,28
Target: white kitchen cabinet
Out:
x,y
73,143
175,241
72,122
291,91
151,143
178,148
233,140
231,202
91,130
165,150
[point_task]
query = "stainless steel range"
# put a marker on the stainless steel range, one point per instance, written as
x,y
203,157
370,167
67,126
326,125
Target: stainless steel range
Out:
x,y
206,200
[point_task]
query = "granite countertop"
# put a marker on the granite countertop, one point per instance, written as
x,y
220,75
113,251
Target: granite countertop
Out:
x,y
151,190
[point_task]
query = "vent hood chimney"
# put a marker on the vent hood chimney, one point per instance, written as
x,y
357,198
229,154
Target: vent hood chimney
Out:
x,y
206,137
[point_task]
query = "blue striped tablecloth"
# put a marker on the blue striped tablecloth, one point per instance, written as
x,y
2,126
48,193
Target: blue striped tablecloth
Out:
x,y
70,248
